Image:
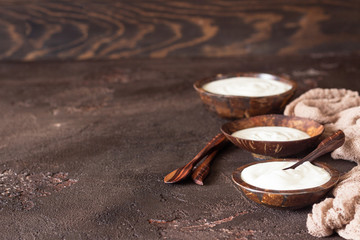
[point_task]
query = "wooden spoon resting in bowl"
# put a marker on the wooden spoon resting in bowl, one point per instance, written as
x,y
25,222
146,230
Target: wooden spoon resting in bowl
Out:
x,y
327,145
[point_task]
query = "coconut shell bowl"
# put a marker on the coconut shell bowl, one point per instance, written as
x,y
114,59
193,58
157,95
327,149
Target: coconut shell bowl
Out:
x,y
292,199
267,149
240,106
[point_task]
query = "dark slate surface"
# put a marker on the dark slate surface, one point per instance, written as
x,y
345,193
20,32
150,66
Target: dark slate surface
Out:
x,y
84,148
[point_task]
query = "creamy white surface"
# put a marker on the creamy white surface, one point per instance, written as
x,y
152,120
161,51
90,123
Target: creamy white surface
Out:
x,y
271,133
247,87
271,176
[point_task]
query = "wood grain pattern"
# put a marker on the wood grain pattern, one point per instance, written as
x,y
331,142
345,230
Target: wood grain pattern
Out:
x,y
157,28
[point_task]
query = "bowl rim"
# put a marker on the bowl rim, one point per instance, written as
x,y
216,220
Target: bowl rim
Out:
x,y
198,85
228,135
334,178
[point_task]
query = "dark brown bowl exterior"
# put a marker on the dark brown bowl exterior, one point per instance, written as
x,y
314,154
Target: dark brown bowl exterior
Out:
x,y
238,106
293,199
274,148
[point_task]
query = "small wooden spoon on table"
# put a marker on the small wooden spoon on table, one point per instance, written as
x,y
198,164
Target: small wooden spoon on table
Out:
x,y
203,169
181,173
327,145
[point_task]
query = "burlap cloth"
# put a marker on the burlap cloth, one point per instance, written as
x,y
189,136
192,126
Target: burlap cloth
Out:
x,y
336,109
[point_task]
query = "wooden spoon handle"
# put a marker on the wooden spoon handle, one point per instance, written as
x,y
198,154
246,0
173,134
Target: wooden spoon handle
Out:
x,y
210,146
327,145
203,169
331,143
181,173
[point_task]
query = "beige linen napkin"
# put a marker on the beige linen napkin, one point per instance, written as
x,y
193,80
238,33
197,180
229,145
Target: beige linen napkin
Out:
x,y
336,109
341,213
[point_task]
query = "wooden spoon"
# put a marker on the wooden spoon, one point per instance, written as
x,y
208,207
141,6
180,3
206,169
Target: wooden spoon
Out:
x,y
184,171
327,145
203,169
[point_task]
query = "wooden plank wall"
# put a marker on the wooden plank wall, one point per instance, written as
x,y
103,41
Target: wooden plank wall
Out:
x,y
68,30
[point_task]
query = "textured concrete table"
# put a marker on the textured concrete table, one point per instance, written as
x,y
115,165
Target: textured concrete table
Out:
x,y
84,148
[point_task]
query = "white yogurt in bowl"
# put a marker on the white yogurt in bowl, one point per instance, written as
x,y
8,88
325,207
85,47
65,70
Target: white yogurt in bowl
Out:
x,y
247,87
271,133
269,175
